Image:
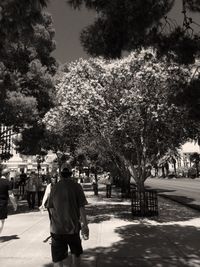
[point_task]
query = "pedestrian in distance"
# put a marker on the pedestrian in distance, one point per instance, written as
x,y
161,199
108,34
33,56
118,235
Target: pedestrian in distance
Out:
x,y
22,183
41,186
5,194
108,186
95,186
31,190
66,203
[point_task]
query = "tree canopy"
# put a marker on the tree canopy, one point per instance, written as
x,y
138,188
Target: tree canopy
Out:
x,y
124,25
26,64
26,69
127,103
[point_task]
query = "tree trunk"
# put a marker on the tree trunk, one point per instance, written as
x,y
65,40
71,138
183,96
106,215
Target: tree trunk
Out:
x,y
174,165
167,168
140,185
175,168
124,175
96,191
156,171
60,161
59,165
143,201
197,169
163,171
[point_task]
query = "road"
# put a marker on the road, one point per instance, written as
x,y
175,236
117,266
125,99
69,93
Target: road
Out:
x,y
186,191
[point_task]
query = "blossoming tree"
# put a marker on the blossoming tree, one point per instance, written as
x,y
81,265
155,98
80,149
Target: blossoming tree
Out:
x,y
128,103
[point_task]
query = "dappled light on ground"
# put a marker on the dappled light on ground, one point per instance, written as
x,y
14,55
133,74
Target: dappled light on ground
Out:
x,y
167,240
102,209
140,243
117,238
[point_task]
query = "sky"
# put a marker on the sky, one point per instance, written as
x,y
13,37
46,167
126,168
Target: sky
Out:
x,y
68,24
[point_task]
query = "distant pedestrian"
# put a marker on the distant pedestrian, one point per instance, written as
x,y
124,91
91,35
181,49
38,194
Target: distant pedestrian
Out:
x,y
41,186
31,190
95,186
5,194
22,183
108,185
66,203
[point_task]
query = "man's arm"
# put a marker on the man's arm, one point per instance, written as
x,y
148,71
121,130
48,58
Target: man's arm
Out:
x,y
83,217
46,196
82,201
12,199
84,227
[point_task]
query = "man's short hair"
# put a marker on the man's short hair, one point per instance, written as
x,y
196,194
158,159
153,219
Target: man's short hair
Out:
x,y
66,172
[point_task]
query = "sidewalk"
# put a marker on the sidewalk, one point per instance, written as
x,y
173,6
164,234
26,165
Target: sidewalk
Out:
x,y
116,239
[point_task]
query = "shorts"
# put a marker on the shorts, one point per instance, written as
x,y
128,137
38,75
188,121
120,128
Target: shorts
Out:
x,y
3,211
60,243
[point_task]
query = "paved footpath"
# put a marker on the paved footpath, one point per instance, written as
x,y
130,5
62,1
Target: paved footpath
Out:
x,y
116,238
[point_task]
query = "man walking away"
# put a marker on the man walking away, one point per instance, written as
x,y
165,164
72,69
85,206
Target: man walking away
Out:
x,y
5,193
66,203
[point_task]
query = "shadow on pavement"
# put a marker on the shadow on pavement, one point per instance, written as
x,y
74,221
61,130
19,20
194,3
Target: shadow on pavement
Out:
x,y
159,190
87,189
8,238
100,212
147,245
182,199
103,209
171,211
21,208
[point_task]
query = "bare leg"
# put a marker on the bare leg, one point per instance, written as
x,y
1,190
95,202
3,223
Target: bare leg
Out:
x,y
67,262
76,261
58,264
2,225
64,263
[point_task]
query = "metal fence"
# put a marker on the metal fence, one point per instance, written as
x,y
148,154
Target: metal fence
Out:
x,y
144,203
